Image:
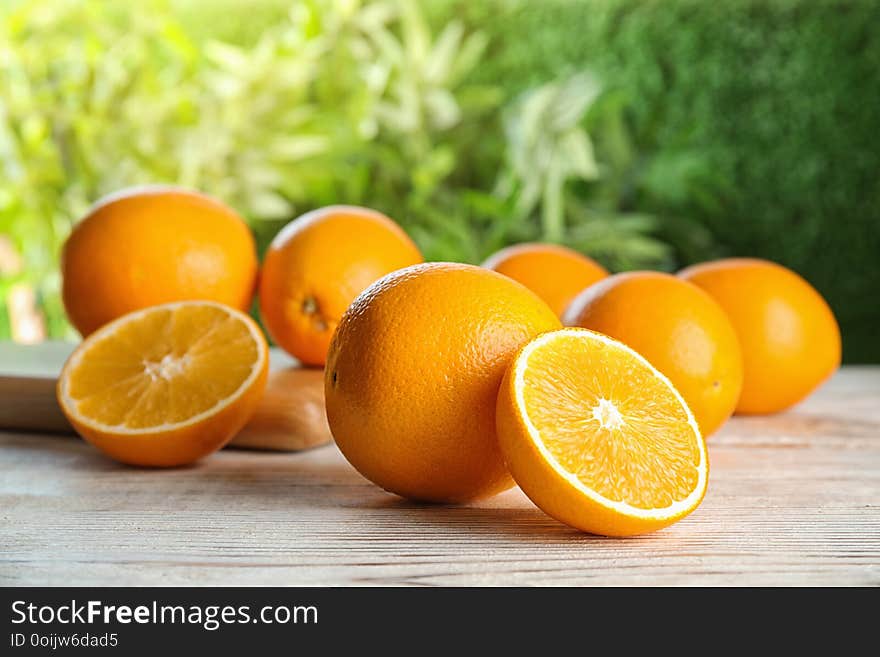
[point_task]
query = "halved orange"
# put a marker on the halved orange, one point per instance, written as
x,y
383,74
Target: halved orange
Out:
x,y
597,437
166,385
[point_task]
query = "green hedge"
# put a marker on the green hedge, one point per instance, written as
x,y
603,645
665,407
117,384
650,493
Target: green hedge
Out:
x,y
749,127
780,99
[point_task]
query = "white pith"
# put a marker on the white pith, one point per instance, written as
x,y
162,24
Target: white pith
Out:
x,y
167,368
607,415
674,509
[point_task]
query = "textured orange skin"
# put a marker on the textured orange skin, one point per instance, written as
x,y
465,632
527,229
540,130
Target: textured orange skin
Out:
x,y
678,328
147,246
317,265
789,336
180,446
555,273
413,374
551,492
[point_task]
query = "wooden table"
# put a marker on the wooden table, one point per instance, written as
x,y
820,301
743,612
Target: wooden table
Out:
x,y
793,500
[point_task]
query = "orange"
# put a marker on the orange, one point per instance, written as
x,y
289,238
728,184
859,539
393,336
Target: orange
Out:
x,y
790,339
597,437
165,385
146,246
554,273
413,373
678,328
317,265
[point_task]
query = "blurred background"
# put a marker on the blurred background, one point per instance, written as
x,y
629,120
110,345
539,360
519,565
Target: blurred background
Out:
x,y
647,134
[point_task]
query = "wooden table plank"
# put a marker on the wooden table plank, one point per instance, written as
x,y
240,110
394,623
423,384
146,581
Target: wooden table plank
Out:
x,y
793,500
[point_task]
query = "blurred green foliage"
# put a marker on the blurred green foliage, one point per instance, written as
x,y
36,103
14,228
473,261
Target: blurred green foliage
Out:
x,y
329,101
647,133
758,120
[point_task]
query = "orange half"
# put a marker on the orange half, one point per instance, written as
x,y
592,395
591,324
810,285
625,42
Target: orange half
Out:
x,y
597,437
166,385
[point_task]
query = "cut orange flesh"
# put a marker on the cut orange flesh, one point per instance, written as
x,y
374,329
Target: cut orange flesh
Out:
x,y
597,437
166,385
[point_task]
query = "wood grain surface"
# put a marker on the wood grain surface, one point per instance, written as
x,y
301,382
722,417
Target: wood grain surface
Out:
x,y
793,499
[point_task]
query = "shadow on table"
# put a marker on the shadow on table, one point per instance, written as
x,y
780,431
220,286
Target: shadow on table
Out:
x,y
316,479
509,516
72,449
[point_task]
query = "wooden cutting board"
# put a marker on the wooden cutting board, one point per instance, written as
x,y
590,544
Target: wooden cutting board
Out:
x,y
290,416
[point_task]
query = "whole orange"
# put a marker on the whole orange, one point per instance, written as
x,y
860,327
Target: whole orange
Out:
x,y
146,246
413,374
678,328
555,273
790,339
317,265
